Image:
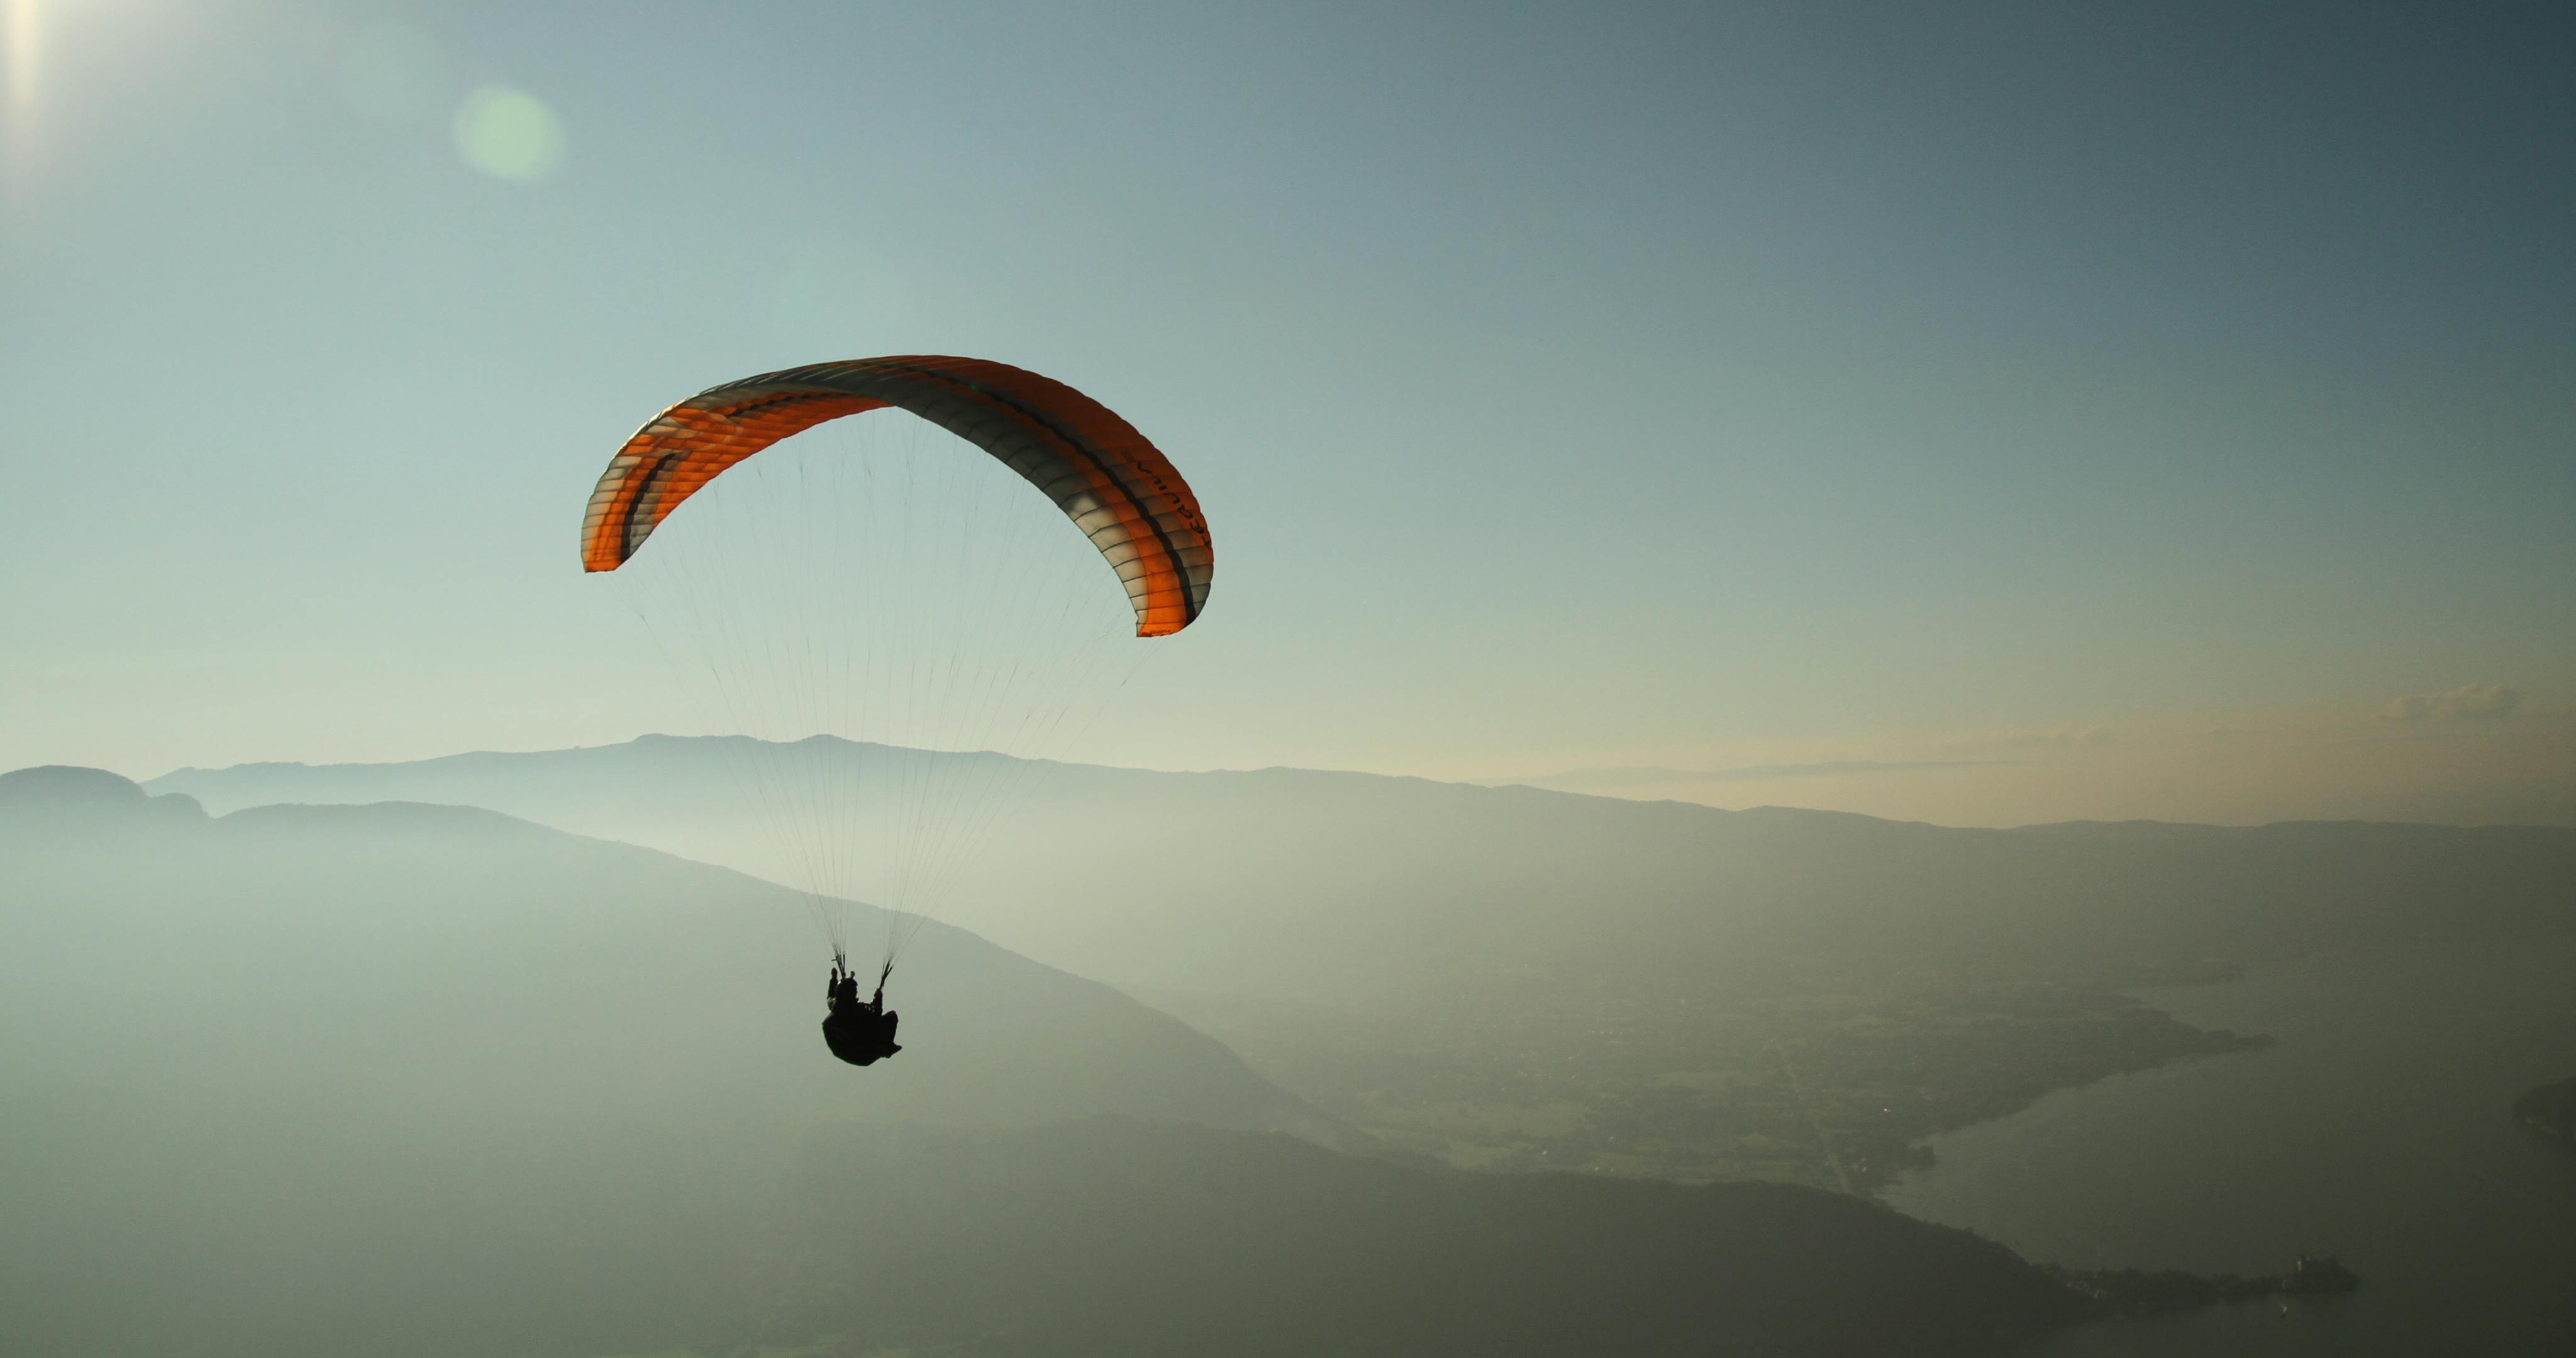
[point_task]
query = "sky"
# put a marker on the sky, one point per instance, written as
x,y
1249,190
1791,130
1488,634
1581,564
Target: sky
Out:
x,y
1978,413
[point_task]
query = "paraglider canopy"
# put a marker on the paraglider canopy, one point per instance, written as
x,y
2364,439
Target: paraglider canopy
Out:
x,y
1116,487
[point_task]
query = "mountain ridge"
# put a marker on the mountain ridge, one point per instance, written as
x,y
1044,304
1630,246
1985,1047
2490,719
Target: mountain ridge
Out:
x,y
312,881
186,775
1522,976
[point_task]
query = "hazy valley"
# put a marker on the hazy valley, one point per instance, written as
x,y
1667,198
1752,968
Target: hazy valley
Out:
x,y
420,1079
1509,977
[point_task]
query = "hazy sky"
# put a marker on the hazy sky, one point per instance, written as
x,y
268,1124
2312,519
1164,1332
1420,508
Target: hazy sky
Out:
x,y
2095,410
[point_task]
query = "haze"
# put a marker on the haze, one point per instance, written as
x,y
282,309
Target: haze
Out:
x,y
2015,415
1825,679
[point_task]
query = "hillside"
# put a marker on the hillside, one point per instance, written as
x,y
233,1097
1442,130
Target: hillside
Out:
x,y
406,1079
282,1233
1311,884
416,953
1512,976
1110,1238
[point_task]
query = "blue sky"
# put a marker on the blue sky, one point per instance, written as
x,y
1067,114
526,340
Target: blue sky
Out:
x,y
1694,387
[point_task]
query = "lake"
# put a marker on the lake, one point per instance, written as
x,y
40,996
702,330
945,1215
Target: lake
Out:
x,y
2377,1129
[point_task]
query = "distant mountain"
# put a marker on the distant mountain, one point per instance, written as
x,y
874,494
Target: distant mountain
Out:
x,y
1516,977
64,790
1356,889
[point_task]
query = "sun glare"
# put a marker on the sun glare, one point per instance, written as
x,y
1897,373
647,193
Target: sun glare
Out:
x,y
20,34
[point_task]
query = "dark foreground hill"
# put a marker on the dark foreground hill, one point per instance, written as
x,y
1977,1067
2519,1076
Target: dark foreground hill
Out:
x,y
1106,1237
420,954
412,1080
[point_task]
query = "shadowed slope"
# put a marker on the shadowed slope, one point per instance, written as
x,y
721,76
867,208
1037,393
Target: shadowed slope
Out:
x,y
1106,1237
407,1080
403,946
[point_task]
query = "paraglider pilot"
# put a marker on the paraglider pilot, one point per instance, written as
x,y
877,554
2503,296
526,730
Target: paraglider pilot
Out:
x,y
861,1034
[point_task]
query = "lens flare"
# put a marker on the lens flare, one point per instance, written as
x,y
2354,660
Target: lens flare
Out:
x,y
509,134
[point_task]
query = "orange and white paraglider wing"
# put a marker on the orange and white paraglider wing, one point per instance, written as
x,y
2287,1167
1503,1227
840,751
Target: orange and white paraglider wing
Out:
x,y
1115,485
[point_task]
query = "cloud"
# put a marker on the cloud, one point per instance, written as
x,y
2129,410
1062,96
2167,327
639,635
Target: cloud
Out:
x,y
2469,702
2059,738
1578,778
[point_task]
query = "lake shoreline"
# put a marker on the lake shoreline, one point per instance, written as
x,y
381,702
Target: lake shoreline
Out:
x,y
2369,1128
2112,1294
